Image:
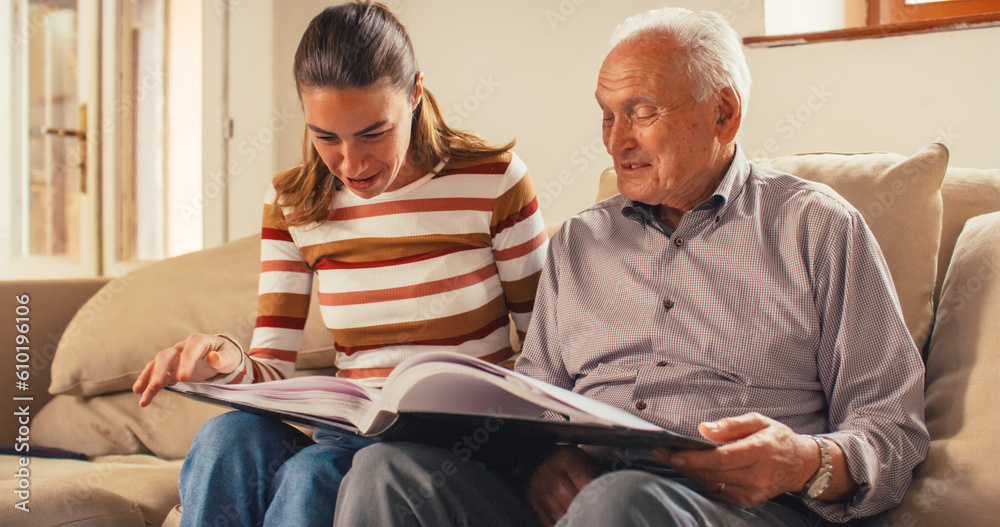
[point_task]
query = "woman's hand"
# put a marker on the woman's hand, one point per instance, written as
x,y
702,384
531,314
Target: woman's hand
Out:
x,y
197,358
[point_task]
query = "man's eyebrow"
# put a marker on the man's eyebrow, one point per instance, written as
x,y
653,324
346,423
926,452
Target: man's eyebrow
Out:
x,y
631,102
367,129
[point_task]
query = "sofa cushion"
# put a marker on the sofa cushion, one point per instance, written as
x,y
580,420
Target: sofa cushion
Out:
x,y
64,503
965,193
957,484
123,325
115,424
107,491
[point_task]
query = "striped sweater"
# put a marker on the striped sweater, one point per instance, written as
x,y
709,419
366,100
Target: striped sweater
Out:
x,y
444,262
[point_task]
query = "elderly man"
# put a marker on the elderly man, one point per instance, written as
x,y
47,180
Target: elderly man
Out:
x,y
712,297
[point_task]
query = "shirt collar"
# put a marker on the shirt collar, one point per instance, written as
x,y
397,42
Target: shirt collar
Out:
x,y
727,191
732,183
646,214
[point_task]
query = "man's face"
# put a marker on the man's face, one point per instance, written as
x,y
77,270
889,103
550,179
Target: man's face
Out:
x,y
667,147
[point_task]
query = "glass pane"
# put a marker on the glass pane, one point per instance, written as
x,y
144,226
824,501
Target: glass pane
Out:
x,y
141,214
53,204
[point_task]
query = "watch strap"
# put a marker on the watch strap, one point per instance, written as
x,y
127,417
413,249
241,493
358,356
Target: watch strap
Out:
x,y
818,483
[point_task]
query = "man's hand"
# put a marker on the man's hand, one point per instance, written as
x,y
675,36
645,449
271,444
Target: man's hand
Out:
x,y
557,481
197,358
763,458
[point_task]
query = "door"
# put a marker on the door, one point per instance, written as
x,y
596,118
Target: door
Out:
x,y
86,189
55,157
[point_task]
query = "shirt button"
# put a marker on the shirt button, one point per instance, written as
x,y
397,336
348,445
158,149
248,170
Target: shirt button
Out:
x,y
667,304
662,363
640,405
679,241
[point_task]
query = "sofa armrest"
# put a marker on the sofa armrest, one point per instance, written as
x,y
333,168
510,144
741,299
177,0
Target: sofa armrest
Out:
x,y
50,306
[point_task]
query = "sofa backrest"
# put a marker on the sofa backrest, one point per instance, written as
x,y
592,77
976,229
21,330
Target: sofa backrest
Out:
x,y
50,306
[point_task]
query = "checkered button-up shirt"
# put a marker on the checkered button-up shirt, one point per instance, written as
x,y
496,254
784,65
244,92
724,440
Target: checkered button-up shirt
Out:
x,y
772,296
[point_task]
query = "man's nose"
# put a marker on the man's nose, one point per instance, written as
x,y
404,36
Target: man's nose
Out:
x,y
619,137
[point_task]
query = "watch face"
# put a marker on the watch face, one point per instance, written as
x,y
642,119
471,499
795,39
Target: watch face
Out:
x,y
820,485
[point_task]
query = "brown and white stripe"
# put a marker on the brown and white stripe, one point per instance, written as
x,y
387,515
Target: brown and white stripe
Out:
x,y
445,262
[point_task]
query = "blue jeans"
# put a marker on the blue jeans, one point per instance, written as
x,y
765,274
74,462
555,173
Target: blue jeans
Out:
x,y
248,470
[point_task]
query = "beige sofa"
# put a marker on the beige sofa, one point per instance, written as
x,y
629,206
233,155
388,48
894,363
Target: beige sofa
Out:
x,y
938,227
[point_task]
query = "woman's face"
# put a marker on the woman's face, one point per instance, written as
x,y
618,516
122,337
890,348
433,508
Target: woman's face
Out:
x,y
363,135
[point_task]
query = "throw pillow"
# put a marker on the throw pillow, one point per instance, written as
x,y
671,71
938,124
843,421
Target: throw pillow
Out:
x,y
120,328
957,484
965,193
900,199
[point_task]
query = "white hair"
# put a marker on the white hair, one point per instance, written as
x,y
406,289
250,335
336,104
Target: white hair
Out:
x,y
715,55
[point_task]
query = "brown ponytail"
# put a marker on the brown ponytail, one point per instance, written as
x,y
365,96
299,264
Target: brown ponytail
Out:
x,y
355,45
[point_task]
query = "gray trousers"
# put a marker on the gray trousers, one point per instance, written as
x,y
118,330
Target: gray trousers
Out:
x,y
405,484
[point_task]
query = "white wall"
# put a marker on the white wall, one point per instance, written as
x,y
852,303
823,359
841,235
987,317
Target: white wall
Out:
x,y
888,94
527,69
267,118
251,148
289,24
519,69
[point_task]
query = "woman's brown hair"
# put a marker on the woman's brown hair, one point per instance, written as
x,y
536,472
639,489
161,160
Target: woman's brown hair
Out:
x,y
355,45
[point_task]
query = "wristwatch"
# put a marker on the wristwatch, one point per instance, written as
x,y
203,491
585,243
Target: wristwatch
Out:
x,y
824,475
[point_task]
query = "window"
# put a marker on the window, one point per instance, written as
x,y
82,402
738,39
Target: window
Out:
x,y
888,12
786,21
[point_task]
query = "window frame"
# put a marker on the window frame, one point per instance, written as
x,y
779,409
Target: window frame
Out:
x,y
895,17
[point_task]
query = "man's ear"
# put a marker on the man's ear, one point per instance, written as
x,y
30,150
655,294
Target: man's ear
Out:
x,y
728,115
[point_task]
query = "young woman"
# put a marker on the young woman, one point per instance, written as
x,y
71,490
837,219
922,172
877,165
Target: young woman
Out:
x,y
422,237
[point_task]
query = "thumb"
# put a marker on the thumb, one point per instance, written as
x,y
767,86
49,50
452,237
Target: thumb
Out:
x,y
733,428
223,360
